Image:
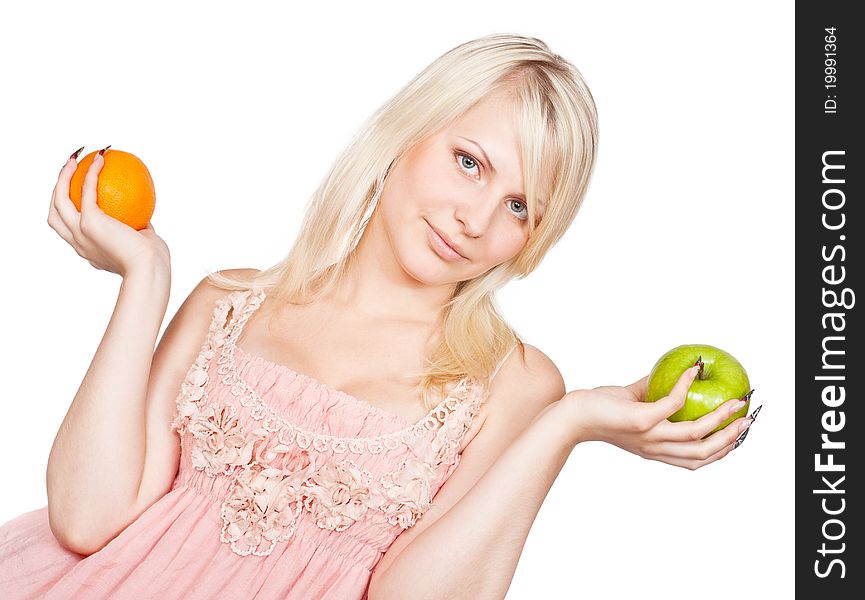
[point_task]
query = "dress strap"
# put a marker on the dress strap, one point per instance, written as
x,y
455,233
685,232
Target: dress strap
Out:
x,y
247,303
240,304
223,327
501,362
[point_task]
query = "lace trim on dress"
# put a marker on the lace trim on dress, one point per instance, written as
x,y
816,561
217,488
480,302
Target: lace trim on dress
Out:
x,y
275,480
193,392
464,391
274,483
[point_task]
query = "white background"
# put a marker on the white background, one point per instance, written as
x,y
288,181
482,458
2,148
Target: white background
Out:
x,y
686,235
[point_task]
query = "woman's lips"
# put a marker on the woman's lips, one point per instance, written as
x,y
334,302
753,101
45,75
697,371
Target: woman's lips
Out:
x,y
441,247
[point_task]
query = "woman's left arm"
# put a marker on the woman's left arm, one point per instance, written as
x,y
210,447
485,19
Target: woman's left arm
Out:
x,y
473,549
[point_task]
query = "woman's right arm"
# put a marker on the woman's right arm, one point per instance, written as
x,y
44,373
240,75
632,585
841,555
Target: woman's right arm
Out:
x,y
115,453
96,462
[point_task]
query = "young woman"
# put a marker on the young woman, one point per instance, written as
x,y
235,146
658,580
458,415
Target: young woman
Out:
x,y
353,421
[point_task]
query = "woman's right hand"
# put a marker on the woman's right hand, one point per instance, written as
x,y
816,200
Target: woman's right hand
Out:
x,y
106,243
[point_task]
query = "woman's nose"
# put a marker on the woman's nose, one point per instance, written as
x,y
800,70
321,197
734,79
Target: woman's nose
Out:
x,y
475,215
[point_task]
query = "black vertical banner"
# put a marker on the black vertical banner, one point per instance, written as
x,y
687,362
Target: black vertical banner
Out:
x,y
830,433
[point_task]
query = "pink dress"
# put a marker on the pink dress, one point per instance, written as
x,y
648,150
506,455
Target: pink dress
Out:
x,y
287,488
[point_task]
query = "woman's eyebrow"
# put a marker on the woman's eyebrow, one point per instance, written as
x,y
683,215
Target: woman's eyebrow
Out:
x,y
483,152
521,196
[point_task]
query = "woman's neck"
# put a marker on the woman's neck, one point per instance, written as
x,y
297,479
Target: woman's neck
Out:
x,y
375,284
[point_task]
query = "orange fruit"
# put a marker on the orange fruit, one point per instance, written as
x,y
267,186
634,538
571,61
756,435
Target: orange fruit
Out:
x,y
124,189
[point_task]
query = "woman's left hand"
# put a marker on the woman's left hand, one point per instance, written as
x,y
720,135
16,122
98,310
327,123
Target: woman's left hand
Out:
x,y
620,416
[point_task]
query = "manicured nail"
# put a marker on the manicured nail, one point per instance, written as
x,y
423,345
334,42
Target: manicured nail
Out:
x,y
754,414
75,154
744,428
102,152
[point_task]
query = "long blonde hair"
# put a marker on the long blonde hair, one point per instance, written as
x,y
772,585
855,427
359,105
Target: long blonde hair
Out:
x,y
556,121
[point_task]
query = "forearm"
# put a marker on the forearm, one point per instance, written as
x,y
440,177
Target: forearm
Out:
x,y
476,545
96,461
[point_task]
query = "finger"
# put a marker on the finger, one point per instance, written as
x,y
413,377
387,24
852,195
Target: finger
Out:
x,y
66,210
717,456
62,214
693,464
61,188
88,191
698,429
613,390
66,172
666,406
639,388
57,224
706,448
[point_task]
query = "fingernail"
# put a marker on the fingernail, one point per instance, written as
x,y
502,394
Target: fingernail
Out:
x,y
744,428
737,405
754,414
102,152
75,154
694,371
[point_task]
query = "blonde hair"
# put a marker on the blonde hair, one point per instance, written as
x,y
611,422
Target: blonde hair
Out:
x,y
556,121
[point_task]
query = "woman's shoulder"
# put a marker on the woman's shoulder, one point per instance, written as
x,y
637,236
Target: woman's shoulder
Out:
x,y
530,371
209,284
208,291
530,367
242,275
526,384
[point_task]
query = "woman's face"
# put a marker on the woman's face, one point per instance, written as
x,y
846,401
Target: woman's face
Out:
x,y
452,208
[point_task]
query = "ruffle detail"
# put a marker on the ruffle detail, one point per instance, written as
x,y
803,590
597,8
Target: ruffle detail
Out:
x,y
192,393
279,471
274,482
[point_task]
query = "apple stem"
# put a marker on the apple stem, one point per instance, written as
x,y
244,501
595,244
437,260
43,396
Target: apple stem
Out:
x,y
700,363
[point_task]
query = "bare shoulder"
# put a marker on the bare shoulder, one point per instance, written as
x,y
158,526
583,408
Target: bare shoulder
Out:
x,y
241,274
525,386
189,326
531,375
535,367
245,274
207,293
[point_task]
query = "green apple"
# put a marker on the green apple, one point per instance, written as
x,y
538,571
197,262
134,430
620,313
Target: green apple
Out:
x,y
721,377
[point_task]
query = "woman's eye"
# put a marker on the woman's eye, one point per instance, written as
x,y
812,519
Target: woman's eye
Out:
x,y
519,208
466,161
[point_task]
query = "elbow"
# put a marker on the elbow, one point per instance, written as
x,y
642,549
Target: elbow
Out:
x,y
73,540
75,543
